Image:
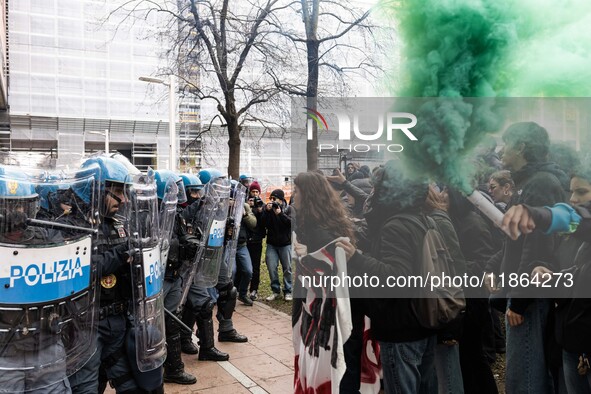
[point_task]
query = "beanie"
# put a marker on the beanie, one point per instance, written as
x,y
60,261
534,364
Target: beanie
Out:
x,y
254,186
278,193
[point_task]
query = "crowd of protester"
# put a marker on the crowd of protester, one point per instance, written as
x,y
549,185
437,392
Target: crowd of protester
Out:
x,y
385,214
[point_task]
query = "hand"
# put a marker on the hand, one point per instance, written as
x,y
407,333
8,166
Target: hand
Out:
x,y
300,249
347,247
337,177
540,272
277,211
518,220
514,319
269,206
490,281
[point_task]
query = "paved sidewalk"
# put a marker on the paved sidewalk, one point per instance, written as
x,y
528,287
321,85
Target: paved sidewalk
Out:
x,y
263,365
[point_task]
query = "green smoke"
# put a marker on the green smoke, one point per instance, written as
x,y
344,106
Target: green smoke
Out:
x,y
452,49
456,49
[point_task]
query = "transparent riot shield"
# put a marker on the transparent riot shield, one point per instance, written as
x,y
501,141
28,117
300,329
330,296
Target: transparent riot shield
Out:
x,y
168,207
211,258
235,211
48,293
147,274
207,226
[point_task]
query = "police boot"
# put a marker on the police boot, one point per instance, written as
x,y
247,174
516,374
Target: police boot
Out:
x,y
208,351
226,306
187,345
174,369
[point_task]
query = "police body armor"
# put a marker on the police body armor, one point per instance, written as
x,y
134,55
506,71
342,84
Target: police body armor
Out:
x,y
216,202
168,213
147,274
48,281
236,210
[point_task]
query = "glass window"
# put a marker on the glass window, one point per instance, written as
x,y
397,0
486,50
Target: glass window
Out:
x,y
43,6
43,104
43,84
70,106
19,62
95,87
70,28
120,71
95,107
20,103
71,8
39,41
95,68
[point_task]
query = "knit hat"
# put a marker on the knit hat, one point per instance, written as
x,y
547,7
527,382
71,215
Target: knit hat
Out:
x,y
254,186
278,193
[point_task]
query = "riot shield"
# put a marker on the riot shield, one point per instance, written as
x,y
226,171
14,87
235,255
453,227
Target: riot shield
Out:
x,y
210,259
168,207
206,226
147,273
48,293
236,209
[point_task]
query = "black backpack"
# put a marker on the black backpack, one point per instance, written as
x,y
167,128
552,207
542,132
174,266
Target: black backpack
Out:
x,y
435,309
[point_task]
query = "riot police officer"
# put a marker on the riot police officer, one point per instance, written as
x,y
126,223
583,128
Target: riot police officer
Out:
x,y
182,250
114,256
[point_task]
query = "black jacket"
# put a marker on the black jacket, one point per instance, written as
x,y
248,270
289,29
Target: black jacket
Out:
x,y
395,251
573,315
278,226
259,233
536,184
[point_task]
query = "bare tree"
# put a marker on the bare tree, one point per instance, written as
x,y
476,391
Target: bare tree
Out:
x,y
230,46
338,39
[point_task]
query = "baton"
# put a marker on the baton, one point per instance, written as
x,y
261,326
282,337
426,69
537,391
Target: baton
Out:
x,y
48,224
179,321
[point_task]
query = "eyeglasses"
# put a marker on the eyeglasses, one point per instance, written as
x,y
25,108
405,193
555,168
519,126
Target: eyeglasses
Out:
x,y
273,198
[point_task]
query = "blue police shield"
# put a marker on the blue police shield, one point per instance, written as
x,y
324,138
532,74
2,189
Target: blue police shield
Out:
x,y
208,225
235,212
147,273
217,196
48,292
168,206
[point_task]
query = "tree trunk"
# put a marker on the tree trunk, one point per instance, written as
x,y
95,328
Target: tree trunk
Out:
x,y
234,145
311,94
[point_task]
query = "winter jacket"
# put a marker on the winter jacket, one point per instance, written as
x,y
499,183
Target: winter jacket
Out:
x,y
396,251
573,315
256,235
536,184
249,223
278,226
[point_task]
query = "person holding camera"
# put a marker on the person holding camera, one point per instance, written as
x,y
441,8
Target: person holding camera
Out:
x,y
277,219
255,238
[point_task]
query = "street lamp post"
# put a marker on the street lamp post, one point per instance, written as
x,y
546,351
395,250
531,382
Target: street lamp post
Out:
x,y
172,161
106,134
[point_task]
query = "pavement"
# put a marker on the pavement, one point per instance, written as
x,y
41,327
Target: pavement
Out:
x,y
262,365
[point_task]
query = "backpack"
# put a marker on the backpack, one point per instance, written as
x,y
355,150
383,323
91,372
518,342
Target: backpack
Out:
x,y
435,309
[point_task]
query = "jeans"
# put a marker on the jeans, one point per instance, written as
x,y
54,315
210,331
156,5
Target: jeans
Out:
x,y
575,383
449,373
527,371
409,367
243,270
276,254
255,249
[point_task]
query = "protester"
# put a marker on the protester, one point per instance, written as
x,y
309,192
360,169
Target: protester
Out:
x,y
318,225
537,182
277,219
500,188
255,238
397,244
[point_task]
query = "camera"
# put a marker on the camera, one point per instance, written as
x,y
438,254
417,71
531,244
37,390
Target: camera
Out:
x,y
256,202
275,205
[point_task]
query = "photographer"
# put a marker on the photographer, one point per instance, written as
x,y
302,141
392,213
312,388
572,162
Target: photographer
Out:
x,y
255,237
276,217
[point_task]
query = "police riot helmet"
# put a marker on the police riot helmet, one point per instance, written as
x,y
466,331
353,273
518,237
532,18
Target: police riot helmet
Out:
x,y
18,200
207,174
163,177
246,179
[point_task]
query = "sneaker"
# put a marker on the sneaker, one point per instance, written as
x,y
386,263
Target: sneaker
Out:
x,y
288,297
273,297
245,300
254,295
